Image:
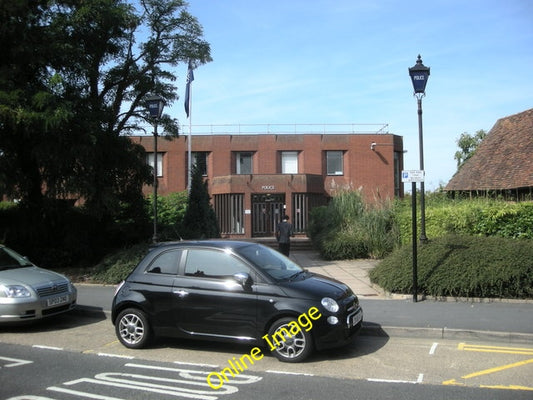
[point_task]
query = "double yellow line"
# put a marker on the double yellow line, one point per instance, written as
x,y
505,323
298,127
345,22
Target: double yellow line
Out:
x,y
494,349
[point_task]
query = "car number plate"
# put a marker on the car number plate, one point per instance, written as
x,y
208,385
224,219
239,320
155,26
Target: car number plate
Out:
x,y
56,301
357,318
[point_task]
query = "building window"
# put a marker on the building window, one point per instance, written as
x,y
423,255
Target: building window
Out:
x,y
334,163
150,162
289,162
243,162
199,159
229,209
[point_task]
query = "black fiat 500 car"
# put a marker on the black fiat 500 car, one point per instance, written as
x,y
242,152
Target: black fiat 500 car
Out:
x,y
234,291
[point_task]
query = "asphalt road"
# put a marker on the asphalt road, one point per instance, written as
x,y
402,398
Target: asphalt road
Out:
x,y
511,321
44,373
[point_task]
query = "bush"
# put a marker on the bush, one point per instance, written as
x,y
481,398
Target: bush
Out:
x,y
117,266
481,217
170,212
348,228
462,266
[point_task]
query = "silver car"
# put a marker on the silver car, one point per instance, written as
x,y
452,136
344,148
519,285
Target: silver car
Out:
x,y
28,292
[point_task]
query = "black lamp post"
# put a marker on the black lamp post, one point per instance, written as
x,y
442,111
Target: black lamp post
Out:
x,y
419,76
155,106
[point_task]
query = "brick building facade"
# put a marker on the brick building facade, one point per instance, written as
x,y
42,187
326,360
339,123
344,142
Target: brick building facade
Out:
x,y
253,179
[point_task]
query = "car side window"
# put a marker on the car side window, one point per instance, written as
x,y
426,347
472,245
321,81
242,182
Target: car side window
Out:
x,y
166,263
213,264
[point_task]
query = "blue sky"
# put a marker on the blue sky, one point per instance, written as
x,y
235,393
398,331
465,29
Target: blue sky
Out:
x,y
346,61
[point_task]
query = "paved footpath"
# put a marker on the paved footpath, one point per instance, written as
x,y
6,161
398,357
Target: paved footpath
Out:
x,y
394,315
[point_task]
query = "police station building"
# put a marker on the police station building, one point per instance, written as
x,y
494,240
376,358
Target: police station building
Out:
x,y
257,173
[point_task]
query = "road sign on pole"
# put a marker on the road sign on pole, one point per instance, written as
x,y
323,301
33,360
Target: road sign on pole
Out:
x,y
412,176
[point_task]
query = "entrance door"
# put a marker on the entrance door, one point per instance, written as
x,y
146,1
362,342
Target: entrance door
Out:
x,y
267,210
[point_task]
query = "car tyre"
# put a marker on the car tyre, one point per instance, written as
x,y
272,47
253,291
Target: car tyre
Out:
x,y
133,329
295,348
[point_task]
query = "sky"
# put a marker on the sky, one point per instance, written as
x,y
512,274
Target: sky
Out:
x,y
346,62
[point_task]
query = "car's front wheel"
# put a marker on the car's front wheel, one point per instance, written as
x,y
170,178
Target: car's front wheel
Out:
x,y
290,347
133,329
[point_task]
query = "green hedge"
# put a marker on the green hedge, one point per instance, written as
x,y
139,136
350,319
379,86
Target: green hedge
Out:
x,y
480,217
462,266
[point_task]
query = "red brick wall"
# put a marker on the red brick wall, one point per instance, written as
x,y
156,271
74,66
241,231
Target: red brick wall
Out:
x,y
371,171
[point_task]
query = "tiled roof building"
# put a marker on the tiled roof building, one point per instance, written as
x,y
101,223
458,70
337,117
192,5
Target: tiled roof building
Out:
x,y
503,162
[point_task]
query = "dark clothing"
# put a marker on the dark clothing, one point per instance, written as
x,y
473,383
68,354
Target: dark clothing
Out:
x,y
283,235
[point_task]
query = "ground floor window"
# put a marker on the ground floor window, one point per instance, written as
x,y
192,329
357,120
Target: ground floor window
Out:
x,y
229,209
302,204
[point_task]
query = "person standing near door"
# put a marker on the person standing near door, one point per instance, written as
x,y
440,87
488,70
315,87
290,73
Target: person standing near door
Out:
x,y
284,232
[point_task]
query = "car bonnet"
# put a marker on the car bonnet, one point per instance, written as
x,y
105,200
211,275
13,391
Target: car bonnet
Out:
x,y
28,276
317,285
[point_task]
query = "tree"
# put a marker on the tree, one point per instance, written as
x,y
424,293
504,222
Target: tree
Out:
x,y
73,79
468,145
200,221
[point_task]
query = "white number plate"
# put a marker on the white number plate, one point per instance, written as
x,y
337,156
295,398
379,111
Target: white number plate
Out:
x,y
357,317
56,301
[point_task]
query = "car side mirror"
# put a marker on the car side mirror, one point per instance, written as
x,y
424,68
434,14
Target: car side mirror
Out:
x,y
244,279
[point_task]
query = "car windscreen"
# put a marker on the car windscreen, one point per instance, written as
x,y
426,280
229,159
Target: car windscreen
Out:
x,y
10,259
269,261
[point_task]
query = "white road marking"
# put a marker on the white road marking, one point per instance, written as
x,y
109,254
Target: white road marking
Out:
x,y
115,356
196,364
288,373
37,346
15,362
82,394
419,380
433,348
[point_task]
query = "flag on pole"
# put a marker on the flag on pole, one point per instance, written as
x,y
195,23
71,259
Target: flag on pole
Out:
x,y
190,78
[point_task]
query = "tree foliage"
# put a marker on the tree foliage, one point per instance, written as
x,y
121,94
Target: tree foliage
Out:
x,y
468,145
73,79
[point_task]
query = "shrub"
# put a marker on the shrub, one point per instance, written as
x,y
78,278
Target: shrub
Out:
x,y
349,228
462,266
482,217
170,212
117,266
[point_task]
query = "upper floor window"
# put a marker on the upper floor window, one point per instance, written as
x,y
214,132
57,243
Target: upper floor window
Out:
x,y
334,162
199,159
289,162
243,162
150,162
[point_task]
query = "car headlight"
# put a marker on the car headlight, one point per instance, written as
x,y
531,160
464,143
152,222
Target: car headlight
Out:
x,y
14,291
330,304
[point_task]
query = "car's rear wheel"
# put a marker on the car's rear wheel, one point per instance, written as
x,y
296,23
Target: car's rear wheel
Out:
x,y
290,347
133,329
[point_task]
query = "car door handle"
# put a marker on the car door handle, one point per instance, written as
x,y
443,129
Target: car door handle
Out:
x,y
180,293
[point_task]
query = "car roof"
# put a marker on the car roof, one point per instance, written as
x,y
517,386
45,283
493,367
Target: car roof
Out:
x,y
213,243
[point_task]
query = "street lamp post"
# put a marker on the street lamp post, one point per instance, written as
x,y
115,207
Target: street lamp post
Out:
x,y
155,106
419,74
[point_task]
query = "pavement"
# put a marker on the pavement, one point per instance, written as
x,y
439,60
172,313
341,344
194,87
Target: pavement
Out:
x,y
385,314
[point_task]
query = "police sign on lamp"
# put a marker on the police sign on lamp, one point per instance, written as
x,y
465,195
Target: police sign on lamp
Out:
x,y
155,106
419,76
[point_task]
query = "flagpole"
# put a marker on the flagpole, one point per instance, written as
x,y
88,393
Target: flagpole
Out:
x,y
189,152
188,109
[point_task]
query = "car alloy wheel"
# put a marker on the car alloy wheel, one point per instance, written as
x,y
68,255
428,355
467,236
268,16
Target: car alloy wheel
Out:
x,y
294,348
132,328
